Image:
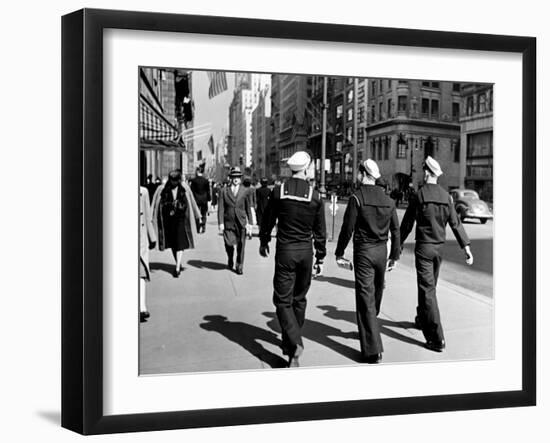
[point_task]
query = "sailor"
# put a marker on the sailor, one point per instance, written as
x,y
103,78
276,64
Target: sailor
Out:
x,y
299,211
370,216
432,209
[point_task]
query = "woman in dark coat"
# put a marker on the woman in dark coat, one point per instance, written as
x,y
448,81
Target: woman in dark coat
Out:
x,y
175,221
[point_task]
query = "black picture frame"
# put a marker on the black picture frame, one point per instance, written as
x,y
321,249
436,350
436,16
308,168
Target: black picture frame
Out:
x,y
82,230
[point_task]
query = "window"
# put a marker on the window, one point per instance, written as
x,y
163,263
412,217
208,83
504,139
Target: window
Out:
x,y
373,114
480,144
387,148
380,149
435,85
390,111
199,155
350,95
426,84
457,151
482,103
373,87
435,108
401,148
402,103
456,110
349,133
339,111
470,105
350,114
360,135
456,87
388,84
361,115
381,110
373,150
425,106
402,82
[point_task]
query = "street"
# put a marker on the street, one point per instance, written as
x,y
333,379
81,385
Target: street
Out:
x,y
211,319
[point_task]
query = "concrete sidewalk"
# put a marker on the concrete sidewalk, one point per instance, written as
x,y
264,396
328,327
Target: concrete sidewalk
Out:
x,y
211,319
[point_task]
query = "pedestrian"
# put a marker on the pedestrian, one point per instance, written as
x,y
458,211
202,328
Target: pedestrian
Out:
x,y
147,240
299,212
234,218
432,209
370,216
262,197
247,183
151,187
177,217
200,187
215,195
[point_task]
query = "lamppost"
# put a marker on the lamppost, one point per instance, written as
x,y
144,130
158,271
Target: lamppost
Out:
x,y
322,187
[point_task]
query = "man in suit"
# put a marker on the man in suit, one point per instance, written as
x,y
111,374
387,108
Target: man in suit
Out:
x,y
235,218
370,216
201,191
432,208
299,213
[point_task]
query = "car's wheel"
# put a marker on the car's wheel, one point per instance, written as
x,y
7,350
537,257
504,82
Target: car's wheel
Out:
x,y
483,221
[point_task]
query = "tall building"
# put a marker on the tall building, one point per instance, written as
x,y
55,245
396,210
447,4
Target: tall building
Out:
x,y
409,120
290,97
240,130
477,139
261,135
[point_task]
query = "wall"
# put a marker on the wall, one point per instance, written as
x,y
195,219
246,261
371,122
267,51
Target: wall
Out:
x,y
30,285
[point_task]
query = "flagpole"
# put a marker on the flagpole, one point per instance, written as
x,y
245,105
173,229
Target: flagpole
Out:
x,y
322,188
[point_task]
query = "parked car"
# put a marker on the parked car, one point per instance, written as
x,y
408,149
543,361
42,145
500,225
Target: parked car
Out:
x,y
469,205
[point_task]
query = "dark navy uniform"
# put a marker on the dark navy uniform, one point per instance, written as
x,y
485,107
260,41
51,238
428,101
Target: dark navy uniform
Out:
x,y
299,211
370,216
432,208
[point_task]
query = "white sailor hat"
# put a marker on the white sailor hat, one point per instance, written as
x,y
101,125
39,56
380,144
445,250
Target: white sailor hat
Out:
x,y
371,168
298,161
433,166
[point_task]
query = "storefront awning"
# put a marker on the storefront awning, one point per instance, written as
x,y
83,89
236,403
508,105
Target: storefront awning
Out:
x,y
155,131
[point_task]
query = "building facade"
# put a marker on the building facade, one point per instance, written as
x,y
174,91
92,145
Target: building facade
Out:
x,y
165,111
408,120
477,139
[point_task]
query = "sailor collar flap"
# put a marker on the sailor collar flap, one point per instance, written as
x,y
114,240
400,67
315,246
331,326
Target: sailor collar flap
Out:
x,y
371,195
433,194
295,189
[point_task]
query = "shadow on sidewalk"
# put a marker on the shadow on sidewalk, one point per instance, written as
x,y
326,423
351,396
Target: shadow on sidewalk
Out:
x,y
321,333
201,264
385,325
166,267
246,336
337,281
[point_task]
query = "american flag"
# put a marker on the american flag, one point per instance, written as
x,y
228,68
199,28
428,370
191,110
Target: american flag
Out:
x,y
218,83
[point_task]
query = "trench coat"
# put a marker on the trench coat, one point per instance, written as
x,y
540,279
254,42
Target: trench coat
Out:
x,y
147,233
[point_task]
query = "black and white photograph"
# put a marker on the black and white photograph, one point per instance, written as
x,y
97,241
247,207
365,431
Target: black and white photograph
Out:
x,y
293,221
